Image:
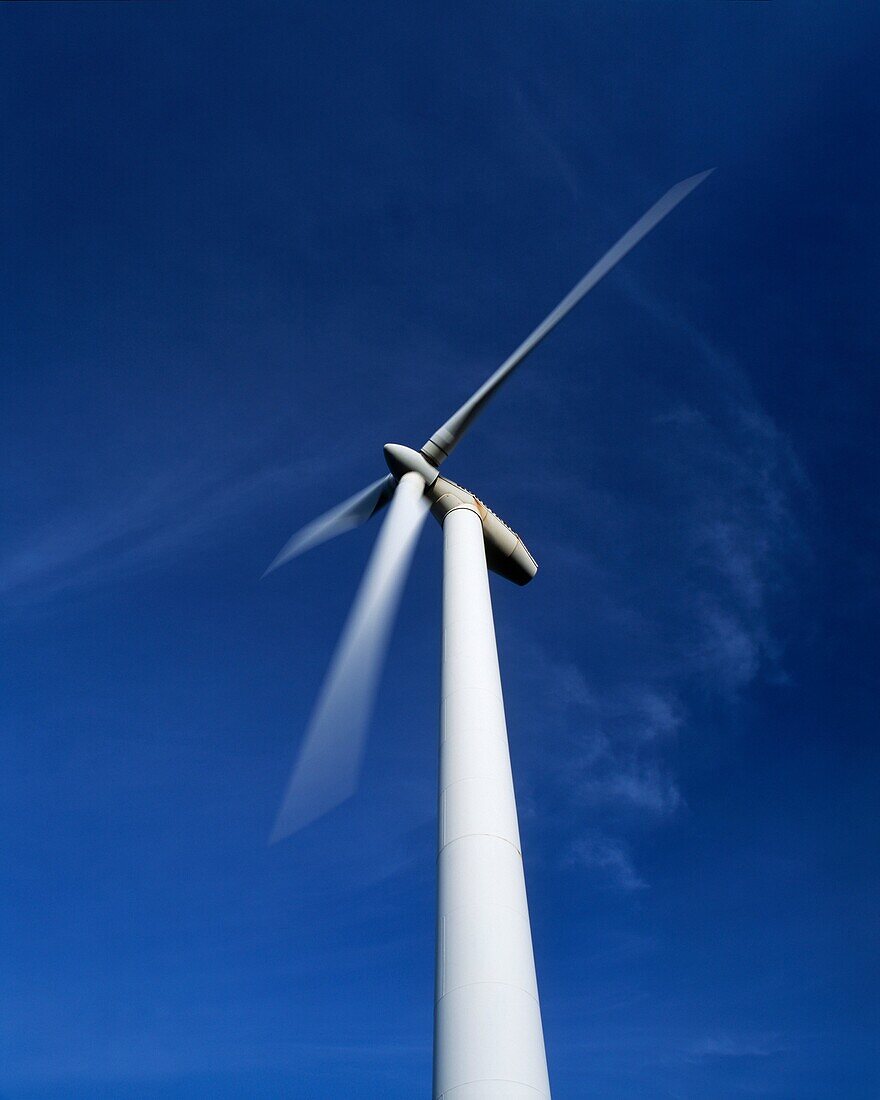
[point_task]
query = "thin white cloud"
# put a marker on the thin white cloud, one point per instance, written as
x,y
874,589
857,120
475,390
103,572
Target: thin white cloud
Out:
x,y
642,784
758,1045
687,606
609,743
609,857
83,545
535,131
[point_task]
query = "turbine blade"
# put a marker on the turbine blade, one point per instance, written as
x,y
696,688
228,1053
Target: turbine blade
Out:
x,y
351,513
327,769
441,443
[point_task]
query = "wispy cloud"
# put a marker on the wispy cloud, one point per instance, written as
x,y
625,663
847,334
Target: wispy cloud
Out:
x,y
685,612
610,736
641,784
102,538
739,1046
609,857
551,158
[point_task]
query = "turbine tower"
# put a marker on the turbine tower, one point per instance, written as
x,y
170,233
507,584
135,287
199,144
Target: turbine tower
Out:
x,y
488,1035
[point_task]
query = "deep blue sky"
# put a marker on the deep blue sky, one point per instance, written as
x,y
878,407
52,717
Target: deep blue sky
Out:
x,y
242,248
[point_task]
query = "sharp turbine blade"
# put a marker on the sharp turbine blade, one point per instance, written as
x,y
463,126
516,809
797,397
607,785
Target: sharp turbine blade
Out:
x,y
351,513
328,766
441,443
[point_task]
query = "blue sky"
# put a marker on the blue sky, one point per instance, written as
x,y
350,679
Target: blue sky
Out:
x,y
243,247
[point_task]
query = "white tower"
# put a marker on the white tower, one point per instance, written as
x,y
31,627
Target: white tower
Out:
x,y
488,1038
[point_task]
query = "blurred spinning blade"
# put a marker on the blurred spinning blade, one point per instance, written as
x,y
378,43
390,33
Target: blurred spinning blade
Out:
x,y
350,513
439,447
327,769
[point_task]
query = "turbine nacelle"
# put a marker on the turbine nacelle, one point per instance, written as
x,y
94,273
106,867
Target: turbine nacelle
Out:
x,y
506,553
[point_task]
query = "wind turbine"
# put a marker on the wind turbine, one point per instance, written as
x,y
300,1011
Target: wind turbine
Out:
x,y
488,1036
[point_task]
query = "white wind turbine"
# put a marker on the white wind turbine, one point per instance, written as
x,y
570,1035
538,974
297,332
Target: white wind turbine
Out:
x,y
488,1037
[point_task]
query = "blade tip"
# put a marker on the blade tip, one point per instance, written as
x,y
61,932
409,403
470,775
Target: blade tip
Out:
x,y
291,551
697,178
283,827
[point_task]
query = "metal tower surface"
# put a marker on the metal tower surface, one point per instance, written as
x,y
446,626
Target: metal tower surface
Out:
x,y
488,1038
